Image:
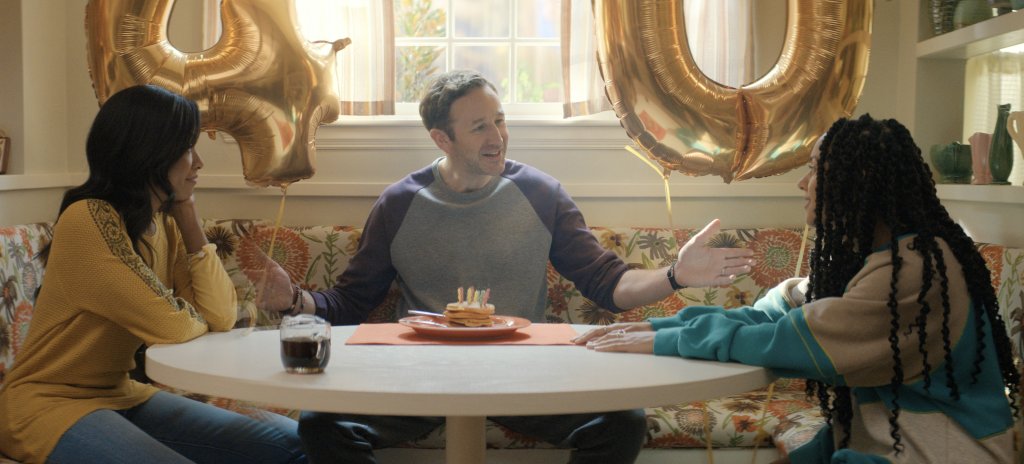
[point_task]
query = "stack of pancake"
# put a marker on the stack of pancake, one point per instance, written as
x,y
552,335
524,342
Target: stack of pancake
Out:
x,y
473,311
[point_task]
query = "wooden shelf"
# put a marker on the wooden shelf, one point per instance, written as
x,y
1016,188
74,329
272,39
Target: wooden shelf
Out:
x,y
1006,194
39,181
977,39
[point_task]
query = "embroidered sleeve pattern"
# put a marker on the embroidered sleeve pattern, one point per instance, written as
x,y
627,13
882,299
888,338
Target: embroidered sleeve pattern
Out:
x,y
108,223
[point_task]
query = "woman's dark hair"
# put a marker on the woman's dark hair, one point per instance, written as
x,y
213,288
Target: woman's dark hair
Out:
x,y
137,135
870,172
436,105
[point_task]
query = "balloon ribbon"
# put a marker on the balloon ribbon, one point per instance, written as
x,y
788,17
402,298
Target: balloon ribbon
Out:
x,y
762,434
251,309
800,257
664,179
277,223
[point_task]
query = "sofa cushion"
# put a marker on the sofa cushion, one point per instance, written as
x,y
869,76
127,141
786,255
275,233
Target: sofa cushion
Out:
x,y
314,256
21,273
1007,267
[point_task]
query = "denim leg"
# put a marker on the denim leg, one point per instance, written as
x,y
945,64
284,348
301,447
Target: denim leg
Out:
x,y
351,438
598,438
105,436
206,433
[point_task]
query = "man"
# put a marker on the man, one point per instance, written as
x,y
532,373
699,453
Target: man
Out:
x,y
473,218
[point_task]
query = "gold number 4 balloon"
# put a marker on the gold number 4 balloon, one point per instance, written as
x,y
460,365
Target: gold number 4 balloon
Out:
x,y
262,83
694,125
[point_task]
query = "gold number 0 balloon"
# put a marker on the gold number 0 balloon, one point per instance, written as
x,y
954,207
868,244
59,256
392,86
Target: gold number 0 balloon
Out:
x,y
261,82
694,125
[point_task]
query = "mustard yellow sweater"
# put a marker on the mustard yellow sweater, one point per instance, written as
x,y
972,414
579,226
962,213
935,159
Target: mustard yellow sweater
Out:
x,y
99,302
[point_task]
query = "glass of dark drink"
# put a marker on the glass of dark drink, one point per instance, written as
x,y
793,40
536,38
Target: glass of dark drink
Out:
x,y
305,344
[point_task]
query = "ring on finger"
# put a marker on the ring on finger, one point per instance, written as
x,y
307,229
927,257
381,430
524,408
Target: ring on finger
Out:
x,y
618,332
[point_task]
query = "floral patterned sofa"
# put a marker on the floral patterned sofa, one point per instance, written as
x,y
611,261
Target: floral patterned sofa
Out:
x,y
780,416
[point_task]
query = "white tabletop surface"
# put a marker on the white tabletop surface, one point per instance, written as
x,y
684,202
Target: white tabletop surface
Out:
x,y
444,380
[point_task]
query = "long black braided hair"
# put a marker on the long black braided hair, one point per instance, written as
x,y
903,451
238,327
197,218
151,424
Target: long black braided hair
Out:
x,y
870,172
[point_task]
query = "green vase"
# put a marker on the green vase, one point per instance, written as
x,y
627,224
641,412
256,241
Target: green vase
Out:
x,y
953,162
971,11
1000,153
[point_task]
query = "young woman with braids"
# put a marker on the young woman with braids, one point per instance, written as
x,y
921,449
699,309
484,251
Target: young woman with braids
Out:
x,y
897,327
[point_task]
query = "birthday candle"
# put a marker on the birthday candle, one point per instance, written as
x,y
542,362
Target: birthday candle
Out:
x,y
487,294
472,295
460,295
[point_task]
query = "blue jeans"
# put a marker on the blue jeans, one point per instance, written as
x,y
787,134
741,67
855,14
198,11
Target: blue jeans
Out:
x,y
171,429
599,438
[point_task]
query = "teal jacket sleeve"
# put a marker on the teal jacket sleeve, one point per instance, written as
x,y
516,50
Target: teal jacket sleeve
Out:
x,y
771,334
770,308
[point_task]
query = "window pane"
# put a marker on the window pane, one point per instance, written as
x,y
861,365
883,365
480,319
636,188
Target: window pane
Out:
x,y
414,66
311,14
539,19
420,18
481,18
489,60
538,74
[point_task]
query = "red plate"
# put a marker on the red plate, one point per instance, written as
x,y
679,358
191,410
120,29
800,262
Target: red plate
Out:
x,y
424,325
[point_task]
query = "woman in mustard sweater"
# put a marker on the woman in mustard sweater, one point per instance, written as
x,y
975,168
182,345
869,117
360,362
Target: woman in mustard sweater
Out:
x,y
129,265
897,328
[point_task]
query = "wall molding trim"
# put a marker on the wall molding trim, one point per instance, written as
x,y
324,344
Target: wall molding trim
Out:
x,y
397,133
308,188
40,181
999,194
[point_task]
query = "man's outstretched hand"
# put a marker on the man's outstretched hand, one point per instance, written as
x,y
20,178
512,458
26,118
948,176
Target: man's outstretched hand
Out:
x,y
273,286
701,266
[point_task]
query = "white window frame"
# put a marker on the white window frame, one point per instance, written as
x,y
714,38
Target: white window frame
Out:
x,y
450,42
407,110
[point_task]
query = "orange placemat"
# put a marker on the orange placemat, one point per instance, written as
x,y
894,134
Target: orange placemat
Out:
x,y
397,334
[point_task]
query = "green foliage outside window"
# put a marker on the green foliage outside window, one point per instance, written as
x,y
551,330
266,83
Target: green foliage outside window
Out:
x,y
528,91
417,18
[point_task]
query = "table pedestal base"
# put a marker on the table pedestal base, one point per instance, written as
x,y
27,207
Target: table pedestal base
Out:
x,y
465,439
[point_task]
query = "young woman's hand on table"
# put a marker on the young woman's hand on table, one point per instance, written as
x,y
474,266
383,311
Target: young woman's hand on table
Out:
x,y
630,337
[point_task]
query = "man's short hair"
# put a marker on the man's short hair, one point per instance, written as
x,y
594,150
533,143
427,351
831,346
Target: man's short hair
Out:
x,y
443,91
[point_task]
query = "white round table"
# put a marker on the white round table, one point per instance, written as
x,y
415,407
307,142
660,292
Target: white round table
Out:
x,y
464,383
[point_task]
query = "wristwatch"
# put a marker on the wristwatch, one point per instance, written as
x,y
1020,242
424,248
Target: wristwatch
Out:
x,y
672,277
